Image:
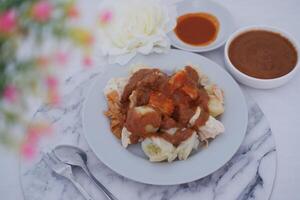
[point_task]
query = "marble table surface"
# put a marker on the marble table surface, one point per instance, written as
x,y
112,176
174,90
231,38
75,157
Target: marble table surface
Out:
x,y
249,174
281,105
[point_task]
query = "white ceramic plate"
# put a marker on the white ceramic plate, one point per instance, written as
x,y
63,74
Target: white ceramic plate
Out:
x,y
131,162
227,25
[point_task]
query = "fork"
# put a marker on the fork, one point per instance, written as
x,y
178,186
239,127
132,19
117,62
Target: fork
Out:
x,y
64,170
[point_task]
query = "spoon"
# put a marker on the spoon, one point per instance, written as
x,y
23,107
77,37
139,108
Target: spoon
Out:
x,y
76,157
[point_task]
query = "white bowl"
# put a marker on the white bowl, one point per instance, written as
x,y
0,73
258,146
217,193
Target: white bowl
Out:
x,y
257,82
226,21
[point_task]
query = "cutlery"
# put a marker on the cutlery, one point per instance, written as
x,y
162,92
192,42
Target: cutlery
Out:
x,y
76,157
64,170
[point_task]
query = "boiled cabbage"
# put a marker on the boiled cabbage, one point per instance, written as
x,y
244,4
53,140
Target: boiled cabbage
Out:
x,y
158,149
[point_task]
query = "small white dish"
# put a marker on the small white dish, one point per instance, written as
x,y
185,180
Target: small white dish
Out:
x,y
226,22
131,162
257,82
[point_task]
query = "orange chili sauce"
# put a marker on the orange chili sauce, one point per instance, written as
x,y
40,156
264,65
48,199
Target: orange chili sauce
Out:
x,y
197,29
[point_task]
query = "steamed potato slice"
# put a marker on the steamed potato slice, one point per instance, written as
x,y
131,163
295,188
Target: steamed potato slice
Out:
x,y
158,149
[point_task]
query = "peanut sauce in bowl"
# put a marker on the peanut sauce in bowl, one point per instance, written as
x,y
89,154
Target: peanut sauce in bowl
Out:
x,y
261,57
263,54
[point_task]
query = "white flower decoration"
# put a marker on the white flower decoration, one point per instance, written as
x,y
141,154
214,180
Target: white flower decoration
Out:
x,y
136,26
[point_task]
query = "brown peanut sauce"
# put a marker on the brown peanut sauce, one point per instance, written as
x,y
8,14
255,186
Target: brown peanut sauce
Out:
x,y
173,100
263,54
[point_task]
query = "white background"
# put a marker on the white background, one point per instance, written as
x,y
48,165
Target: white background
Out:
x,y
281,105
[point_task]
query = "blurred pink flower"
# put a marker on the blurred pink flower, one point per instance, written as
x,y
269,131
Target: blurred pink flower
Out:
x,y
42,10
28,150
54,97
8,21
53,92
87,61
61,57
34,132
52,82
106,16
10,93
38,129
33,136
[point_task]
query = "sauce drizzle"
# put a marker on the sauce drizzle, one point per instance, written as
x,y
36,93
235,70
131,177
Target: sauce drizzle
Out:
x,y
173,100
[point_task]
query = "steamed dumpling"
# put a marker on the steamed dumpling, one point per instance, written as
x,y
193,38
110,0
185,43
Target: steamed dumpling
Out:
x,y
143,120
216,100
158,149
185,148
215,106
211,129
